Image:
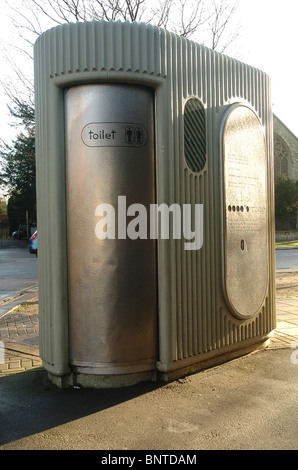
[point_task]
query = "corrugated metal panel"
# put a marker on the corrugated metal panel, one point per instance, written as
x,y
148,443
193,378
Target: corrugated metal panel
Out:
x,y
202,322
193,317
103,46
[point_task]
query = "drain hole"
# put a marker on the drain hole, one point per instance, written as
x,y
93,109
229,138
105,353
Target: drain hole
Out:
x,y
242,245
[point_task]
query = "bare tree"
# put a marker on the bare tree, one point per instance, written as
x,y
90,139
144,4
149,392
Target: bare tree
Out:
x,y
192,17
205,21
220,17
185,17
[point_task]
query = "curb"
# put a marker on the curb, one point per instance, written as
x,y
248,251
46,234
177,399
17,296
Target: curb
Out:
x,y
10,299
286,247
11,303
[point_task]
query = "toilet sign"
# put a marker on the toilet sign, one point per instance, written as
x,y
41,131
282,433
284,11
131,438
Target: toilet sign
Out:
x,y
114,134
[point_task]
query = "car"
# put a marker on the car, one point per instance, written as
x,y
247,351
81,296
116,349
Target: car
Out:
x,y
22,232
33,244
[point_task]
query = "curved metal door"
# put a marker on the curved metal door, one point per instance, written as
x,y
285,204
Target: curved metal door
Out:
x,y
111,269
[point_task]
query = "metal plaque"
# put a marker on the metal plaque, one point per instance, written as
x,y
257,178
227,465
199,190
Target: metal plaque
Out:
x,y
245,219
111,275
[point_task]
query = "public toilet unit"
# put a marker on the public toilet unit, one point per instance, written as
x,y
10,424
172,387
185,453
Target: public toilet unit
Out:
x,y
155,205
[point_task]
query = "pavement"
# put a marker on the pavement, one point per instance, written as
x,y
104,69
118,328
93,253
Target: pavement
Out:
x,y
19,331
247,403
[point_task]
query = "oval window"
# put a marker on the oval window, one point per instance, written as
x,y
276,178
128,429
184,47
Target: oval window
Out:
x,y
195,135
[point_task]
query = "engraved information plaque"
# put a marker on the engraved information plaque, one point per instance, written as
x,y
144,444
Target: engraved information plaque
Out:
x,y
245,221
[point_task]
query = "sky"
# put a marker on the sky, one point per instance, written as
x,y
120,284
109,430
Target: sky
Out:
x,y
268,40
269,37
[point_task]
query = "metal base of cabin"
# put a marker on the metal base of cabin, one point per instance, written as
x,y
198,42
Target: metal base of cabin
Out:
x,y
94,381
207,363
91,381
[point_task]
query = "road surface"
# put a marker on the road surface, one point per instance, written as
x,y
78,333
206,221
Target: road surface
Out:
x,y
18,274
287,260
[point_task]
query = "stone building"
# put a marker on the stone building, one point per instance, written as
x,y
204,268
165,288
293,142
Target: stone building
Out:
x,y
285,150
285,163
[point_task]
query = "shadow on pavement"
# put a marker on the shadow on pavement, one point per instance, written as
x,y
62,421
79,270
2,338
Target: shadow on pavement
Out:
x,y
30,404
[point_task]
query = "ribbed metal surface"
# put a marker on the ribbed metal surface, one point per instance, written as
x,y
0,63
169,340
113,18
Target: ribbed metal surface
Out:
x,y
202,322
193,316
94,46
